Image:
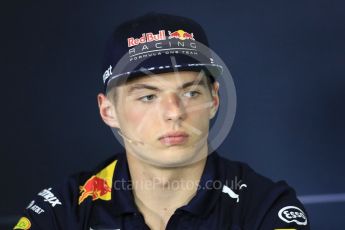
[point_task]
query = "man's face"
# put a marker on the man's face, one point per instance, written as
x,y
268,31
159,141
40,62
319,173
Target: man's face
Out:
x,y
165,117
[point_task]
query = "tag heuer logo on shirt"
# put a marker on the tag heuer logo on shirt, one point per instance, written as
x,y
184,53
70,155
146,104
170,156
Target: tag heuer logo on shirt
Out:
x,y
23,223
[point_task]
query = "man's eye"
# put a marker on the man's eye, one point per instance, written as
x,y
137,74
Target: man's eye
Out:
x,y
191,94
147,98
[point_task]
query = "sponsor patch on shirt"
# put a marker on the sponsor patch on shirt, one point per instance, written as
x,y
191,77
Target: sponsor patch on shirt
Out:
x,y
231,193
99,186
291,214
23,223
35,208
49,197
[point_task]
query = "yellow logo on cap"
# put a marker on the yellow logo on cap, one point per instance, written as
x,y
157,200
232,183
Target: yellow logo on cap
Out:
x,y
181,34
23,223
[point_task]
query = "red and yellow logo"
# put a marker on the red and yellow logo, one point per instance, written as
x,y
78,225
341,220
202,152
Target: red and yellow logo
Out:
x,y
181,34
99,186
23,223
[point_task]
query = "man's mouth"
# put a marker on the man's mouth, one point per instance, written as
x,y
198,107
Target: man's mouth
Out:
x,y
174,138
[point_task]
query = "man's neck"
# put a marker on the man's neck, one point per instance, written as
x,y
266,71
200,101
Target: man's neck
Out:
x,y
158,191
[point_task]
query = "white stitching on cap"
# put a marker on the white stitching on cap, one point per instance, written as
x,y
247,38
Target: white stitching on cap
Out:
x,y
166,67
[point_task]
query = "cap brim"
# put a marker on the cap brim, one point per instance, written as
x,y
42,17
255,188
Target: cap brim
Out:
x,y
213,70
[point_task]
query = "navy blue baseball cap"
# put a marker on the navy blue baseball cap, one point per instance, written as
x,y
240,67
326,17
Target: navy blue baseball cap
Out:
x,y
157,43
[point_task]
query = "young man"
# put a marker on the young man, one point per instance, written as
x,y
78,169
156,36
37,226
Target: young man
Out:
x,y
161,93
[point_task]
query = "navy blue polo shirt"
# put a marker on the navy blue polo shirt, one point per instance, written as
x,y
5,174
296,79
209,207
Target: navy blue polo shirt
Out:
x,y
230,196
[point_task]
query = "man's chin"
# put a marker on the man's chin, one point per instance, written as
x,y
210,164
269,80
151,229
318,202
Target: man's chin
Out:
x,y
176,158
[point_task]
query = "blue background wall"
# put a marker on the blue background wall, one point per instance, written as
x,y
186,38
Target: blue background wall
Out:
x,y
286,57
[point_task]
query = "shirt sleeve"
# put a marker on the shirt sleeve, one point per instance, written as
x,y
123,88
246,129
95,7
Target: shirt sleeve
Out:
x,y
41,213
272,206
287,212
278,209
54,208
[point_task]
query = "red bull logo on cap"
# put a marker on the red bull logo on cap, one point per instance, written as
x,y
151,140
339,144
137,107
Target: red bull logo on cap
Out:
x,y
146,37
99,186
149,45
181,34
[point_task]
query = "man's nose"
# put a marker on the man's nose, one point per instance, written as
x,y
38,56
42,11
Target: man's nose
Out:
x,y
172,107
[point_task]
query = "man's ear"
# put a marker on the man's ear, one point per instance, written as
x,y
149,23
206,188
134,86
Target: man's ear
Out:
x,y
107,111
215,99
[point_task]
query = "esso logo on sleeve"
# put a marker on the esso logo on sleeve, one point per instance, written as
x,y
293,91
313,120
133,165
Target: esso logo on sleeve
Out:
x,y
291,214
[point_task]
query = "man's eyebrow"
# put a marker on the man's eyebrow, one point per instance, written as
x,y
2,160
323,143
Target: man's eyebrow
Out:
x,y
150,87
193,83
141,86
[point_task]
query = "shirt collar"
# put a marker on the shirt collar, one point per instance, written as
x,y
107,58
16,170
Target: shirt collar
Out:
x,y
122,196
210,187
200,205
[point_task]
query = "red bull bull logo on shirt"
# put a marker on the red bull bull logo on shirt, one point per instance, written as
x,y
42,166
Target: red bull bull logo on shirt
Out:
x,y
99,186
